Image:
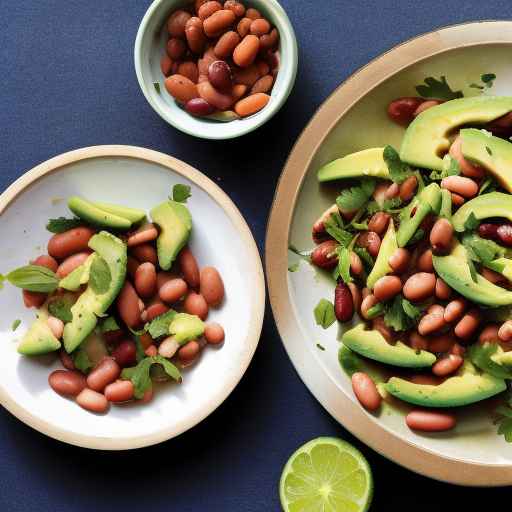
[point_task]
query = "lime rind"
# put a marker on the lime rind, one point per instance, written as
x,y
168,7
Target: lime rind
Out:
x,y
326,475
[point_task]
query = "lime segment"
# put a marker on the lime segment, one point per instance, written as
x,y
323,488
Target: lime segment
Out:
x,y
326,475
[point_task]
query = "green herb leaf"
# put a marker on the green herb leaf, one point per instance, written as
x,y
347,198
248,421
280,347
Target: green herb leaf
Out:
x,y
109,325
453,170
480,355
15,324
81,360
410,310
389,206
489,185
480,249
62,224
180,193
324,313
294,267
156,85
366,258
60,307
488,79
159,326
504,418
437,89
395,316
344,264
375,311
356,197
360,226
471,222
476,86
34,278
335,227
99,276
398,170
418,235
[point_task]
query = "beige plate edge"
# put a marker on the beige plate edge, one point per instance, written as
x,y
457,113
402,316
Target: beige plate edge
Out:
x,y
257,277
350,415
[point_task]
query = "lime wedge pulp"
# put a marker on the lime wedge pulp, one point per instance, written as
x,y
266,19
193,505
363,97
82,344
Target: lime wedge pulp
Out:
x,y
326,475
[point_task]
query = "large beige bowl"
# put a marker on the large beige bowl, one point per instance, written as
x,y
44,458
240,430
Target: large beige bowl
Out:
x,y
354,118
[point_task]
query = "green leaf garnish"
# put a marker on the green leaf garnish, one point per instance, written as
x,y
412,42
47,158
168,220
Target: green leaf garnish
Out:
x,y
34,278
294,267
156,85
343,269
480,249
398,170
109,325
81,360
62,224
375,311
453,170
480,355
471,222
335,227
488,79
366,258
320,347
180,193
60,308
410,310
437,89
99,276
395,315
15,324
489,185
324,313
353,198
504,419
159,326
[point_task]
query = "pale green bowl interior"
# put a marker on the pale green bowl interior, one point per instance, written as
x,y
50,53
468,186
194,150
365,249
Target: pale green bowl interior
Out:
x,y
150,47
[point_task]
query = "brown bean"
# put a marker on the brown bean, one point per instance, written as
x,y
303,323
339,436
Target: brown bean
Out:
x,y
163,277
218,22
92,401
443,291
441,236
356,265
56,325
195,35
181,88
489,334
176,23
214,333
151,351
195,304
264,84
33,299
504,233
238,91
260,27
145,253
392,191
401,110
387,287
71,263
425,379
461,185
441,343
263,67
176,48
189,352
145,280
237,7
166,65
128,305
371,241
125,354
189,69
366,391
505,331
246,51
70,242
425,263
155,310
492,276
447,365
173,291
418,342
106,371
430,421
379,325
468,324
66,360
244,26
425,106
457,200
356,296
67,382
379,222
399,260
252,104
368,302
419,286
408,188
430,323
467,168
145,233
269,41
211,286
454,310
213,97
227,44
208,8
365,292
46,261
253,14
318,231
458,350
343,303
119,391
132,266
189,267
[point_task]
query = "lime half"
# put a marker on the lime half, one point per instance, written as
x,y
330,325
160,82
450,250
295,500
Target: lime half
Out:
x,y
326,475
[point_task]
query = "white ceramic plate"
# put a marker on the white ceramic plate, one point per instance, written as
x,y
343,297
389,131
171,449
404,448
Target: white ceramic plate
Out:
x,y
140,178
354,118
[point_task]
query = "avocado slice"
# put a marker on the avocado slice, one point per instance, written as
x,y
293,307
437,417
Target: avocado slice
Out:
x,y
467,387
427,201
372,345
381,266
134,215
79,276
94,215
175,224
454,270
185,327
492,153
368,162
90,304
39,339
503,358
494,204
426,138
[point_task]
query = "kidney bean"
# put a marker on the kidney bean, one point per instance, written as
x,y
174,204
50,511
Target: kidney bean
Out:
x,y
371,241
366,391
379,325
70,242
176,23
468,324
505,234
92,401
454,310
408,188
145,253
162,278
145,233
365,292
356,296
195,35
505,331
195,304
155,310
181,88
247,76
189,352
119,391
106,371
56,325
189,70
33,299
425,263
441,236
269,41
419,286
227,44
492,276
461,185
145,280
260,27
324,255
253,14
252,104
208,8
173,291
66,360
246,51
447,365
401,110
272,60
489,334
467,168
457,200
431,323
418,342
218,22
425,379
46,261
176,48
199,107
214,333
387,287
343,303
67,382
263,67
236,7
263,85
318,230
219,75
166,65
356,265
443,291
392,191
71,263
399,260
425,106
458,350
128,305
489,231
132,266
238,91
441,343
213,97
125,354
436,309
368,302
430,421
189,267
211,286
379,222
244,26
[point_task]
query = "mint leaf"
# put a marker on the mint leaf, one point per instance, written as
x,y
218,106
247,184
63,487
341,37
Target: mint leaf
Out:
x,y
34,278
324,313
398,170
180,193
489,185
81,360
365,257
353,198
62,224
437,89
60,308
453,170
480,355
343,269
471,222
15,324
159,326
109,324
410,310
375,311
335,227
395,316
99,276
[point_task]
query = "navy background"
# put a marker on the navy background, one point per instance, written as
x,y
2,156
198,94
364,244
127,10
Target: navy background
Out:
x,y
67,81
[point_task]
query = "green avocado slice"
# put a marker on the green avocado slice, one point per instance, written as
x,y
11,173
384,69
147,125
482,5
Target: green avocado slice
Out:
x,y
494,204
368,162
96,216
79,276
185,327
454,270
134,215
381,266
467,387
426,138
371,344
39,339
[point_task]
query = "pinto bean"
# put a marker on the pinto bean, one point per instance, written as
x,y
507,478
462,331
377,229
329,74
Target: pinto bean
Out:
x,y
67,382
247,76
368,302
92,401
425,106
189,267
66,360
457,200
430,323
269,41
505,331
176,48
119,391
387,287
218,99
263,85
211,286
56,325
166,65
237,7
392,191
458,350
246,51
208,8
181,88
176,23
195,304
461,185
430,421
366,391
441,236
435,309
441,343
260,27
343,303
324,255
71,263
146,233
106,371
125,354
244,26
214,333
443,291
145,280
189,352
251,104
371,241
33,299
418,342
145,253
401,110
218,22
46,261
467,168
408,188
128,305
195,35
399,260
70,242
226,44
447,365
156,309
468,324
489,334
173,291
318,231
419,286
425,263
379,223
454,310
356,265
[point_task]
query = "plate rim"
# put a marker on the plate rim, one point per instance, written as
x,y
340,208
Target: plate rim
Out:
x,y
258,291
352,417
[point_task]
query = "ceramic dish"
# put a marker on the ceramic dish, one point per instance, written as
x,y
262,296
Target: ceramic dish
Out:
x,y
354,118
134,176
150,46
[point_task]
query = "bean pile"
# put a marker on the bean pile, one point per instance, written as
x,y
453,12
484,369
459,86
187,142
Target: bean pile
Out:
x,y
220,58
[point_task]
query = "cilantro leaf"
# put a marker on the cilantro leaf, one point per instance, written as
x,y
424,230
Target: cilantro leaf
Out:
x,y
452,170
335,227
356,197
388,206
99,276
437,89
480,355
481,249
398,170
180,193
365,257
62,224
159,326
15,324
109,324
343,268
471,222
60,308
324,313
410,310
350,361
395,315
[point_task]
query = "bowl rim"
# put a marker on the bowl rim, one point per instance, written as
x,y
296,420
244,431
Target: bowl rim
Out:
x,y
257,291
265,115
369,430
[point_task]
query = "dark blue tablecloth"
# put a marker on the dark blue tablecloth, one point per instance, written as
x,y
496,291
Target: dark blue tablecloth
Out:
x,y
67,82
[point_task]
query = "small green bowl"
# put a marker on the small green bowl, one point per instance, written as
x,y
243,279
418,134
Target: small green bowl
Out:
x,y
150,46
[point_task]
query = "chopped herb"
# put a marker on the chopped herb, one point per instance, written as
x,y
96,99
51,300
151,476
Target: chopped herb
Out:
x,y
360,226
294,267
180,193
81,360
335,227
349,361
504,419
488,79
324,313
320,347
481,356
34,278
395,315
343,268
480,249
60,308
471,222
15,324
476,86
437,89
62,224
452,170
156,85
109,325
302,254
489,185
365,257
398,170
488,149
99,276
375,311
410,310
356,197
159,326
388,206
